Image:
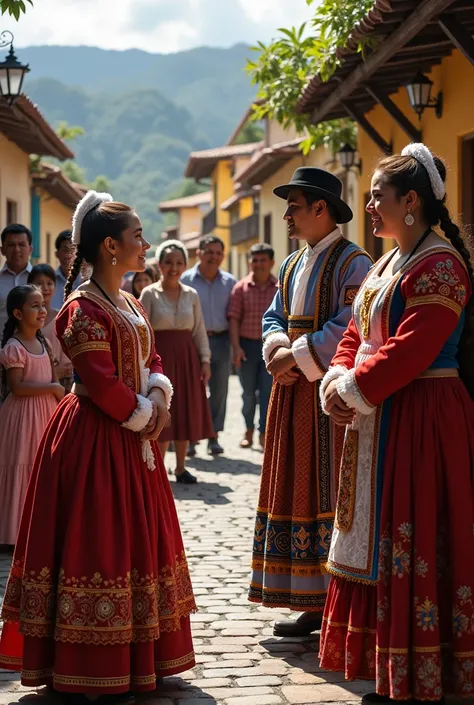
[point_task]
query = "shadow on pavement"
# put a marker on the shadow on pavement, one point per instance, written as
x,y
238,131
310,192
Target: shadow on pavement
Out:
x,y
302,653
207,492
223,464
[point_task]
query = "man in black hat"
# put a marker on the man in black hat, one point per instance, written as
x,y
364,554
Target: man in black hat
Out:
x,y
301,331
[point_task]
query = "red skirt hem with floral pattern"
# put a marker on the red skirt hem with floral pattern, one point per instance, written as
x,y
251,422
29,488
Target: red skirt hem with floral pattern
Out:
x,y
99,594
413,632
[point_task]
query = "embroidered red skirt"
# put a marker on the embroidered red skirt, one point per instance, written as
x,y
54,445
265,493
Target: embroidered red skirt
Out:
x,y
414,631
99,595
190,414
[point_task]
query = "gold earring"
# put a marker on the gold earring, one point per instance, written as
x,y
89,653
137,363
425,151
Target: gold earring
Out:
x,y
114,260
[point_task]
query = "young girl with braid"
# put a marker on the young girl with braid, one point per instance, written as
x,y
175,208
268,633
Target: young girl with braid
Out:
x,y
31,393
400,605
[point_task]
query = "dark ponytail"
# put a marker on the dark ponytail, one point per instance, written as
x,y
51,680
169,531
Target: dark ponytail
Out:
x,y
466,346
405,173
74,273
47,347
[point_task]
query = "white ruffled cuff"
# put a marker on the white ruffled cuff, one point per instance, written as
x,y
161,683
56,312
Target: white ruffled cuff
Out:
x,y
273,341
305,360
350,393
333,373
141,416
157,380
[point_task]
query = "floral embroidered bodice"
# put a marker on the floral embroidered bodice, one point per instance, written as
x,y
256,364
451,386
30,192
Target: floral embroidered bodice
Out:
x,y
436,284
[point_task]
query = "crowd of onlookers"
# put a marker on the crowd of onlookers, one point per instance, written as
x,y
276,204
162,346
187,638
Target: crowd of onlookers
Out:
x,y
205,322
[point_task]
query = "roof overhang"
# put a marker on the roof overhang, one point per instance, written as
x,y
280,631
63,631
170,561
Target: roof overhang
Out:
x,y
238,196
198,199
410,36
23,124
268,161
202,164
52,180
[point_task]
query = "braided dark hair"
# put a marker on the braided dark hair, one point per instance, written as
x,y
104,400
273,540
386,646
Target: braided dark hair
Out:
x,y
405,173
108,219
16,299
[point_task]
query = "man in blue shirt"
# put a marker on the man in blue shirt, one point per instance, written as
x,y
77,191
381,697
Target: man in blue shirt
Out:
x,y
214,288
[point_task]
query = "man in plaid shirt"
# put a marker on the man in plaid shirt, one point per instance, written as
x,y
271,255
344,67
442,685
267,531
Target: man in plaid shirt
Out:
x,y
250,298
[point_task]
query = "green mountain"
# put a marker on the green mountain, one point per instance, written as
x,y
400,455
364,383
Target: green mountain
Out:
x,y
142,113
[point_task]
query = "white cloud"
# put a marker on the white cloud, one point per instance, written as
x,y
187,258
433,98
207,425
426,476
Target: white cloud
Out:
x,y
181,24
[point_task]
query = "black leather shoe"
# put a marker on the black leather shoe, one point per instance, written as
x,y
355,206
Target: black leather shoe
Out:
x,y
214,447
306,624
187,478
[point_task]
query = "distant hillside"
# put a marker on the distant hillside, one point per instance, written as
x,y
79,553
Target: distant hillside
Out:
x,y
210,82
142,113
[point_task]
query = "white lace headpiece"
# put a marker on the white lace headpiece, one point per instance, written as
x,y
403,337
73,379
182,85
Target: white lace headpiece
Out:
x,y
90,201
422,154
176,244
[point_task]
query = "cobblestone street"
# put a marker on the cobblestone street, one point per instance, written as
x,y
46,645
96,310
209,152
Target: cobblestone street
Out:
x,y
239,662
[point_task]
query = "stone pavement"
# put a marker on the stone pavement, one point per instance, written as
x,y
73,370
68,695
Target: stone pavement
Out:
x,y
239,662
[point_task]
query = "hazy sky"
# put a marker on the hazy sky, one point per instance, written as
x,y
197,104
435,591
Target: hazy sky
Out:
x,y
154,25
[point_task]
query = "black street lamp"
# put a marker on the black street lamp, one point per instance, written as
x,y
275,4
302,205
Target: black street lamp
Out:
x,y
419,94
12,72
347,157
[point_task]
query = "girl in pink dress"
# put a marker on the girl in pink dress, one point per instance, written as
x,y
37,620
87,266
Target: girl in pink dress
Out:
x,y
43,277
31,394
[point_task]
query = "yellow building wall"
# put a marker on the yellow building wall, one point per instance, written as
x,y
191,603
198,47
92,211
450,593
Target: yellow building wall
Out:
x,y
224,188
14,182
54,217
455,78
274,206
189,220
246,207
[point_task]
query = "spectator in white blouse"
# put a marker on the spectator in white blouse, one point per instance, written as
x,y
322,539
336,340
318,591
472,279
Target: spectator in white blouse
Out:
x,y
181,340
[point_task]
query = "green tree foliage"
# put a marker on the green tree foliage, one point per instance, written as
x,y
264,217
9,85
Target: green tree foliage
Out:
x,y
101,184
69,133
283,67
74,172
250,132
15,8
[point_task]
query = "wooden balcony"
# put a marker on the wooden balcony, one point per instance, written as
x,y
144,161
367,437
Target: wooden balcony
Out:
x,y
209,222
244,230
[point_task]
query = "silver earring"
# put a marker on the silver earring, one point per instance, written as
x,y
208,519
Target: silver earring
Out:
x,y
114,261
409,219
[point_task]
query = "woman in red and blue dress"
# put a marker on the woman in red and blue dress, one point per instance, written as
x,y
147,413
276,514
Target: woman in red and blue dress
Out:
x,y
400,606
99,594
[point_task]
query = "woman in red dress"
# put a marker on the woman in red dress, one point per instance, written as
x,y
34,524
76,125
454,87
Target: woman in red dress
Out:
x,y
400,605
175,314
99,594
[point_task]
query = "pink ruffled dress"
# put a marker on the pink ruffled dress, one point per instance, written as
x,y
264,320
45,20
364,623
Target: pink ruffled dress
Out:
x,y
22,422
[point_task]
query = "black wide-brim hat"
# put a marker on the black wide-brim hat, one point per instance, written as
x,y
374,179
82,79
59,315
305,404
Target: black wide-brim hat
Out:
x,y
321,183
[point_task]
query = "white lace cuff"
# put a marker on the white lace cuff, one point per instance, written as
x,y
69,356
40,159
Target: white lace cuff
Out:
x,y
350,393
157,380
274,340
141,416
305,360
333,373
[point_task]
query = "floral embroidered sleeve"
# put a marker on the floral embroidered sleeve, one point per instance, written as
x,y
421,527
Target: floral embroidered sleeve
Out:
x,y
86,333
435,291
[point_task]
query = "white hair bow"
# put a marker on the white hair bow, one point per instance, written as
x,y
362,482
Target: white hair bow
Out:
x,y
90,201
422,154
